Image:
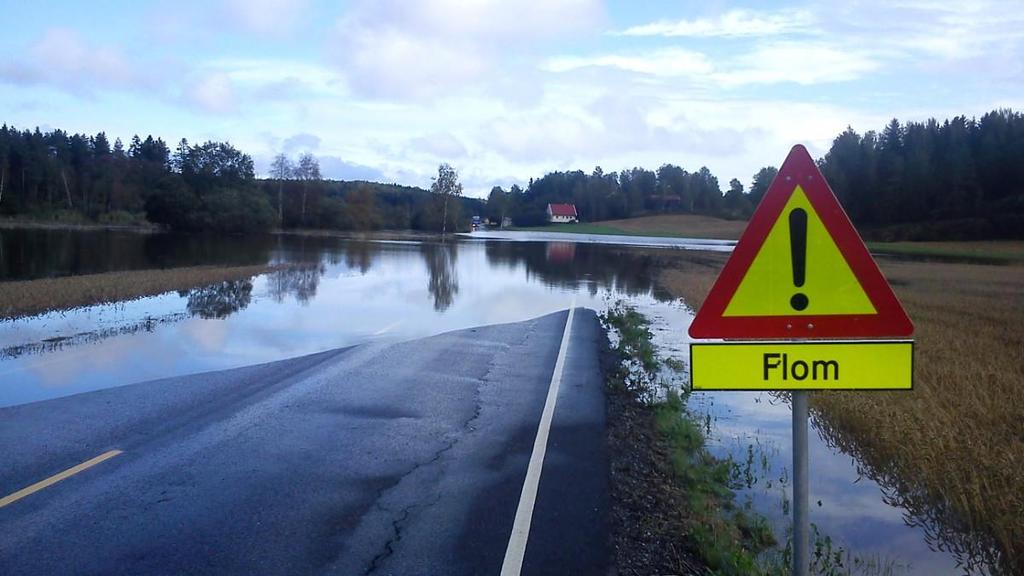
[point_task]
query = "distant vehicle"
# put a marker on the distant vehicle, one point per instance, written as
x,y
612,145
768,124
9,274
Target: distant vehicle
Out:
x,y
476,222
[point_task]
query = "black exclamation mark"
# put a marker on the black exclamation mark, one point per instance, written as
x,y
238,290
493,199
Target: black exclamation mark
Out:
x,y
798,253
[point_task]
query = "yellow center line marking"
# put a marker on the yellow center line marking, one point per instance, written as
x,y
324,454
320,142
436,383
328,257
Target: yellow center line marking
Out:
x,y
29,490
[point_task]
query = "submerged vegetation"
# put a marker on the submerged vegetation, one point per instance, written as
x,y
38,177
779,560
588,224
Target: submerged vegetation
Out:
x,y
949,451
29,297
952,448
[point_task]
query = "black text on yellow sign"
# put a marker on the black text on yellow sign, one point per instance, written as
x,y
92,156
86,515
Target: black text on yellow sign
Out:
x,y
815,365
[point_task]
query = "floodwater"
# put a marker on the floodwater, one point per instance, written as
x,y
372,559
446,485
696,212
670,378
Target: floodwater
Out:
x,y
349,291
616,239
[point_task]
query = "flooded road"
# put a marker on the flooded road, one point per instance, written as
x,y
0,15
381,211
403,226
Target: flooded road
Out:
x,y
340,292
349,291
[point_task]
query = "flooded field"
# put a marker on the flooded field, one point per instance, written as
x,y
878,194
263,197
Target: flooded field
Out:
x,y
338,292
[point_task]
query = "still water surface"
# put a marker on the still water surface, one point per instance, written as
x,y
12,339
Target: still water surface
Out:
x,y
351,291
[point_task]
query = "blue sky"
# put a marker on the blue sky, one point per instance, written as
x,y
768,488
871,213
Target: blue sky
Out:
x,y
505,91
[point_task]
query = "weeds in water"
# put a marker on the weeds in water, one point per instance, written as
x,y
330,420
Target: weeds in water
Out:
x,y
731,539
639,366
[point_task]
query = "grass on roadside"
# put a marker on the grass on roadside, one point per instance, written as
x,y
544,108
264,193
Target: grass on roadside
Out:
x,y
730,539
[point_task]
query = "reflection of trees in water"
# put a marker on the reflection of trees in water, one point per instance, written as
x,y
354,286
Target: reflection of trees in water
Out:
x,y
567,265
444,277
305,258
29,253
219,300
356,254
975,550
299,280
360,255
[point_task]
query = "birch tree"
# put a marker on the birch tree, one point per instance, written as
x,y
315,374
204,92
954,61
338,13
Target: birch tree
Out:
x,y
308,171
281,169
446,184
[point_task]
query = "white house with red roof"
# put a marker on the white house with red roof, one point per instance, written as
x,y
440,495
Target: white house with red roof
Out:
x,y
558,213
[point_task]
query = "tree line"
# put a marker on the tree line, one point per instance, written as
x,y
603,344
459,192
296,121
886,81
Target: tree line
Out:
x,y
303,199
634,192
960,178
76,178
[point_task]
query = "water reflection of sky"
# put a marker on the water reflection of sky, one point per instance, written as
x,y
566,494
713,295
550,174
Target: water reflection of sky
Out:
x,y
350,292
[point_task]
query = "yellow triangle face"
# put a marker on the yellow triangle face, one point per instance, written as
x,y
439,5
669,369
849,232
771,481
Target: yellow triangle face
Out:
x,y
829,286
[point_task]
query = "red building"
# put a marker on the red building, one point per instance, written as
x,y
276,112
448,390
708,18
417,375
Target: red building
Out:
x,y
562,213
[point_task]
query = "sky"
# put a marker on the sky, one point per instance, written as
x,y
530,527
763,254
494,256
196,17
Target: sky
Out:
x,y
506,90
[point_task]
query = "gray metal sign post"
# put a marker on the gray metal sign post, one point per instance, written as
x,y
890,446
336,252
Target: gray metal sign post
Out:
x,y
801,523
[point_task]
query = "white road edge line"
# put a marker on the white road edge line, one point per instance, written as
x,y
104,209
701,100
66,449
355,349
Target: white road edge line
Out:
x,y
516,550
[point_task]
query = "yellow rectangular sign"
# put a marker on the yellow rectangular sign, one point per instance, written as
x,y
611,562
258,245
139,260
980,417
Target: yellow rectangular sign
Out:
x,y
861,365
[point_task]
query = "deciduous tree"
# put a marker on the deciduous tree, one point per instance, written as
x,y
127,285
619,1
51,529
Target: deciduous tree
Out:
x,y
446,185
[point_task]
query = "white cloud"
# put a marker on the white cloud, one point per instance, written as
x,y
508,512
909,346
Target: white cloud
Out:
x,y
803,63
213,93
398,50
269,78
390,63
948,31
734,23
62,58
663,62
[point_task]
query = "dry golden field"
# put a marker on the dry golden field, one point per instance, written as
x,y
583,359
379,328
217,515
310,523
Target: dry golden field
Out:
x,y
27,297
951,451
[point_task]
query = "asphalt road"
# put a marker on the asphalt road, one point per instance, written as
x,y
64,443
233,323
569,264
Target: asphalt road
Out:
x,y
378,459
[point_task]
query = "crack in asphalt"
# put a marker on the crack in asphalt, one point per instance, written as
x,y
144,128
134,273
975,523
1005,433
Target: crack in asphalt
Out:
x,y
397,525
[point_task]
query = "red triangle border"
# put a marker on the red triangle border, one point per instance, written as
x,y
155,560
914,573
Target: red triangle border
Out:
x,y
890,321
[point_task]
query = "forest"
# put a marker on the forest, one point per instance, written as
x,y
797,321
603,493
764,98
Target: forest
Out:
x,y
958,179
961,178
76,179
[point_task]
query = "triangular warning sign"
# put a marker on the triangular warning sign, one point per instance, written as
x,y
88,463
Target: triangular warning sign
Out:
x,y
800,270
